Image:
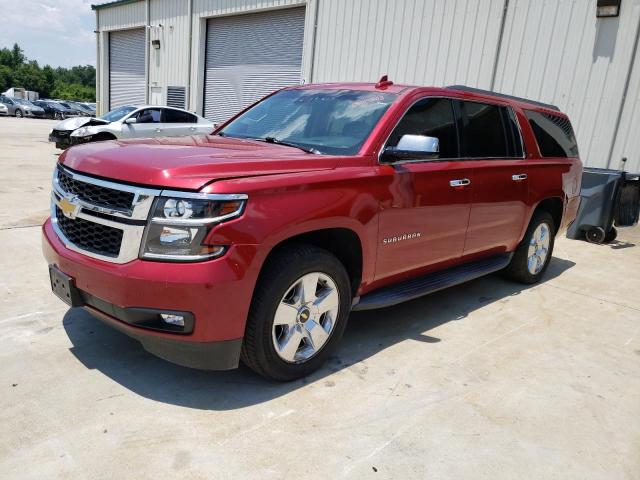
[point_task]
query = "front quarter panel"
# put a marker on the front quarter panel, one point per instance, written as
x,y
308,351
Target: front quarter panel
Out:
x,y
284,206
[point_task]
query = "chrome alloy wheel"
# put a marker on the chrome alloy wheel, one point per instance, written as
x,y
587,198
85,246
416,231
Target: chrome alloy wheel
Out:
x,y
305,317
538,248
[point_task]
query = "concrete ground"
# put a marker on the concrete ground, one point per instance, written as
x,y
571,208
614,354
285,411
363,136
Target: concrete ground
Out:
x,y
486,380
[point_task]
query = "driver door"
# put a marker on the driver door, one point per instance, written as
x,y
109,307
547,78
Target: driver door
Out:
x,y
147,124
425,223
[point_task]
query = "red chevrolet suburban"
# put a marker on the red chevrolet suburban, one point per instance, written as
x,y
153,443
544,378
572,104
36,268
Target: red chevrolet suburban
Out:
x,y
255,243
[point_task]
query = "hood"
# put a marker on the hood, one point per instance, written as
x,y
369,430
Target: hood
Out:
x,y
77,122
189,162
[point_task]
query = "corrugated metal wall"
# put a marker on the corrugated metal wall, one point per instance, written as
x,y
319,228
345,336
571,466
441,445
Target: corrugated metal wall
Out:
x,y
555,51
127,15
427,42
559,52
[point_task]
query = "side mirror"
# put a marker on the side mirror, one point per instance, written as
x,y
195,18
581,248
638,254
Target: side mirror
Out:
x,y
413,147
131,120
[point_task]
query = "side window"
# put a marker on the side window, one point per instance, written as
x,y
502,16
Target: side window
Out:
x,y
483,131
553,133
177,116
514,136
432,117
149,115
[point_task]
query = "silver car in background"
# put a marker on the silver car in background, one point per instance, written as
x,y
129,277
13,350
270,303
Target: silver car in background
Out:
x,y
19,107
129,122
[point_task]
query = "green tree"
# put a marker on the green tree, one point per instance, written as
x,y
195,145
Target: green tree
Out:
x,y
6,77
75,83
17,55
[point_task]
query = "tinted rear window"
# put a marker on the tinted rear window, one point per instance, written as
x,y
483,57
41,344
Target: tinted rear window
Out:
x,y
554,134
489,131
178,116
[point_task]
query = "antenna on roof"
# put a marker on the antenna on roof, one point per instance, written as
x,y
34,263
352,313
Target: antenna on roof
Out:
x,y
384,82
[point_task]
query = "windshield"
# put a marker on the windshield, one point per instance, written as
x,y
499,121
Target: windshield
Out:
x,y
117,114
21,101
335,122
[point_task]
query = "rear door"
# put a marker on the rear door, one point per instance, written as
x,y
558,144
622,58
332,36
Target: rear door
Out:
x,y
491,139
425,222
177,123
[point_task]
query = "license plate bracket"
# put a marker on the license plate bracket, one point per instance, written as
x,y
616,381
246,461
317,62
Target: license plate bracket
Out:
x,y
64,287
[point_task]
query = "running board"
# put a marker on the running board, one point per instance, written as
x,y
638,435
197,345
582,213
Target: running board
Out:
x,y
417,287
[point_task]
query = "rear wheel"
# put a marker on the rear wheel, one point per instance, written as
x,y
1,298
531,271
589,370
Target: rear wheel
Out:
x,y
298,313
595,235
532,257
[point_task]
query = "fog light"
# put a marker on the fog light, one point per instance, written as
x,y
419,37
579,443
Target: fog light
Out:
x,y
172,319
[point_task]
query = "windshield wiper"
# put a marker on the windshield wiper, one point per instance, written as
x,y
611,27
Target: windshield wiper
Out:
x,y
290,144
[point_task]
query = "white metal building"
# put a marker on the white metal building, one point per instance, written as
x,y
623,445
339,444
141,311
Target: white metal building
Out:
x,y
217,56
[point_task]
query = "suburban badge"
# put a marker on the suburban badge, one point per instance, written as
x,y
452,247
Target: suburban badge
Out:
x,y
401,238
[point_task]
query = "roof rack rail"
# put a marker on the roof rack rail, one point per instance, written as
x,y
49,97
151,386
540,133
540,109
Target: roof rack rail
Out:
x,y
464,88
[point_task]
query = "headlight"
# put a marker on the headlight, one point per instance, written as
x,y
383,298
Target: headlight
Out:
x,y
180,223
81,132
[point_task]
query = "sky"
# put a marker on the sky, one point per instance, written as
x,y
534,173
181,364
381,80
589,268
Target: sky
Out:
x,y
54,32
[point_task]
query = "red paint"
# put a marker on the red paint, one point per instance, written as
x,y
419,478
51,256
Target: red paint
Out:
x,y
291,192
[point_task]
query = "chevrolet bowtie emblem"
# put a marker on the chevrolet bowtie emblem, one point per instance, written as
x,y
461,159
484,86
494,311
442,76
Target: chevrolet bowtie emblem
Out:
x,y
69,206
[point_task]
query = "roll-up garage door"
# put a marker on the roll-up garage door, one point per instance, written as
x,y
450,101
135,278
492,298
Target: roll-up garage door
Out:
x,y
126,68
249,56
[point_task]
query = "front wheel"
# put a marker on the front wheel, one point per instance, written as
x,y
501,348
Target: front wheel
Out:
x,y
298,313
532,257
19,113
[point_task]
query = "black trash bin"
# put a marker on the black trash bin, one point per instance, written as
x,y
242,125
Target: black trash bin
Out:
x,y
608,198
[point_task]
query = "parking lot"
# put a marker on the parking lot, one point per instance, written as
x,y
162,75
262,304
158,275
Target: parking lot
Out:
x,y
485,380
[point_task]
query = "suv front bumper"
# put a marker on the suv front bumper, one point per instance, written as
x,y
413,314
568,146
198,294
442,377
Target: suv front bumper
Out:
x,y
217,294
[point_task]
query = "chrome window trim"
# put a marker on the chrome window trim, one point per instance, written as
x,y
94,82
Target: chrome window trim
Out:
x,y
453,159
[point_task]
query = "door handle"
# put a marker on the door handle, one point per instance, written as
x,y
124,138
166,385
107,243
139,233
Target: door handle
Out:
x,y
460,182
158,130
519,177
193,129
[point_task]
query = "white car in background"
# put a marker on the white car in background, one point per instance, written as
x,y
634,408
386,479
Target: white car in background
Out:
x,y
3,109
129,122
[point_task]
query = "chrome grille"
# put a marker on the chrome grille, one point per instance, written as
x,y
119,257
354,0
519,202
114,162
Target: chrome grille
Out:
x,y
109,218
95,194
90,236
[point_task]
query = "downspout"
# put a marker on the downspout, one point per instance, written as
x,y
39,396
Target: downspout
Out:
x,y
147,53
313,40
98,61
188,93
625,90
499,46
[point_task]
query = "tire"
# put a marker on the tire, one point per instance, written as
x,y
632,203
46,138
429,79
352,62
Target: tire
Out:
x,y
595,235
611,235
19,113
280,288
525,267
